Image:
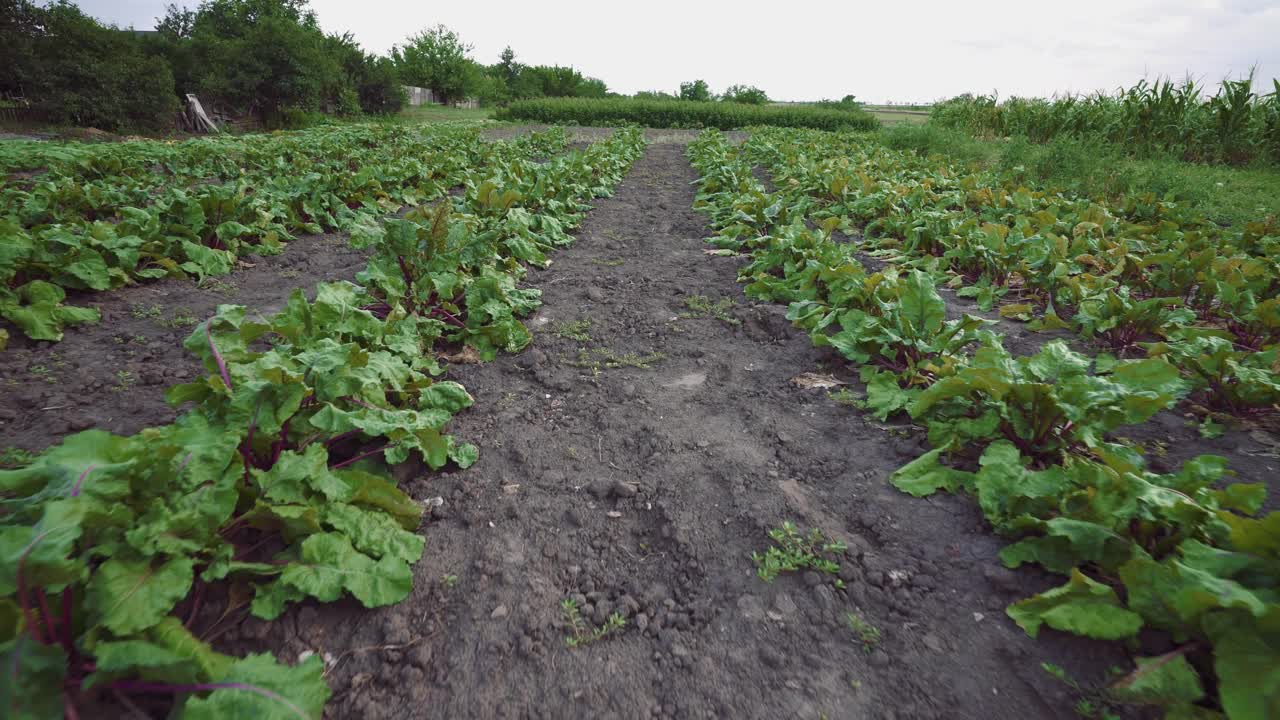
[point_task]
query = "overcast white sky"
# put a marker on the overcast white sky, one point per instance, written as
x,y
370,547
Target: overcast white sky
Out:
x,y
803,50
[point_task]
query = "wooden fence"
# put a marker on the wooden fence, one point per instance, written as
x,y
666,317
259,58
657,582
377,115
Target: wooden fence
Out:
x,y
23,114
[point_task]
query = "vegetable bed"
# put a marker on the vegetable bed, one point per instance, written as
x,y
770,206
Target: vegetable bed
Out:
x,y
274,486
1182,314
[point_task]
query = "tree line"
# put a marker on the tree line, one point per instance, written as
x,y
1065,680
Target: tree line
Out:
x,y
263,58
266,58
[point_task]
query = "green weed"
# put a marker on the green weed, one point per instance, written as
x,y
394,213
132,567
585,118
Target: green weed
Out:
x,y
703,306
867,634
124,381
604,358
146,312
793,551
15,457
579,330
182,318
582,632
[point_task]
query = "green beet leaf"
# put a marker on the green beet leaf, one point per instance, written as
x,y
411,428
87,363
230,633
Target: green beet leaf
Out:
x,y
926,475
1165,680
129,595
373,533
328,565
1082,606
31,684
259,687
1247,663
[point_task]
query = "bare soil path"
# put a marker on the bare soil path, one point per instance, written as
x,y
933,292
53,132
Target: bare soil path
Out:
x,y
633,459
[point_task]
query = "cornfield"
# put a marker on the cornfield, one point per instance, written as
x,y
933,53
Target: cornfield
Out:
x,y
1236,125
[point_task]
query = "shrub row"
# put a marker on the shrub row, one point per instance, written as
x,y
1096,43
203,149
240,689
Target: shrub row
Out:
x,y
682,114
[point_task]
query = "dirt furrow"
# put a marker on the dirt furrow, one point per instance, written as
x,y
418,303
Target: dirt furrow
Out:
x,y
632,460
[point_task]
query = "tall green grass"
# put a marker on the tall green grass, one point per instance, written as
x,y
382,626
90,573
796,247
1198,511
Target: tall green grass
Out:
x,y
682,114
1230,196
1237,125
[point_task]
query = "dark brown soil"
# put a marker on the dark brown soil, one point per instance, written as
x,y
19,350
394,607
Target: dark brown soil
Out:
x,y
646,490
112,375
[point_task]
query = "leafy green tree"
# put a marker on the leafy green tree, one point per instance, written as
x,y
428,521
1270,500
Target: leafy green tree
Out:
x,y
528,84
508,70
558,81
592,88
696,90
262,56
178,22
19,27
748,94
487,84
367,83
379,86
81,72
436,58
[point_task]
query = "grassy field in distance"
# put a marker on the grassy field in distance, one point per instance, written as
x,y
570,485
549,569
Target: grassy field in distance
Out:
x,y
443,113
886,114
890,116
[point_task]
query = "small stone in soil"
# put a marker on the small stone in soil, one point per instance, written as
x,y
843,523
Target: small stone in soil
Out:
x,y
784,604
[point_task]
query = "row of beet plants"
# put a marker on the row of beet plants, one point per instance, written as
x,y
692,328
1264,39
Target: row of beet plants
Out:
x,y
275,486
1031,437
97,217
1148,277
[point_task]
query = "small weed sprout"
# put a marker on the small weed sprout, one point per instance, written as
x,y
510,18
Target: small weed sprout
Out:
x,y
449,581
579,330
15,457
146,312
582,631
182,318
222,287
1089,704
605,358
794,551
702,306
844,396
867,634
44,373
124,381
